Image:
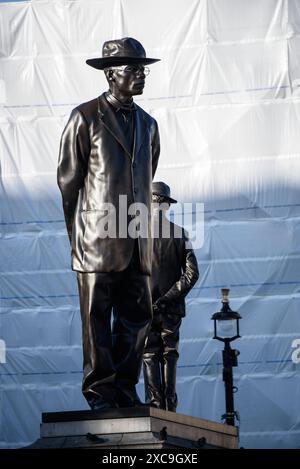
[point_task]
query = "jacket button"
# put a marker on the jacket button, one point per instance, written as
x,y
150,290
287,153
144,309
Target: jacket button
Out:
x,y
135,190
133,164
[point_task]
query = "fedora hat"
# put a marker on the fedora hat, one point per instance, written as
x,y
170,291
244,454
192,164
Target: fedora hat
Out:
x,y
163,190
125,51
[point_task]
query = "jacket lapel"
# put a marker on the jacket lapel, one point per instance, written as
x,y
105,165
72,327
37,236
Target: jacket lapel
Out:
x,y
109,120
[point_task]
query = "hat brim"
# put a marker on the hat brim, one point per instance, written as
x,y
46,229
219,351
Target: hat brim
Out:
x,y
105,62
168,199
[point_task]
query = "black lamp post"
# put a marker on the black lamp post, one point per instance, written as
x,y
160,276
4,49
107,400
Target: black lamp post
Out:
x,y
226,329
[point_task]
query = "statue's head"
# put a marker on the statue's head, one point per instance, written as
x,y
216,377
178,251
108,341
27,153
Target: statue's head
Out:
x,y
161,195
124,63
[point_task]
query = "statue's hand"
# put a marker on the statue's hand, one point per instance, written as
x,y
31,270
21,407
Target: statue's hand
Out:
x,y
161,304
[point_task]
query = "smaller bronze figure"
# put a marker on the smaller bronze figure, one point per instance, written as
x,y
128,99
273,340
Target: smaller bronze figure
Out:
x,y
174,273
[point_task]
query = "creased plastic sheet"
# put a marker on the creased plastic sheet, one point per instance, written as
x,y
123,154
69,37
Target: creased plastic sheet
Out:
x,y
226,97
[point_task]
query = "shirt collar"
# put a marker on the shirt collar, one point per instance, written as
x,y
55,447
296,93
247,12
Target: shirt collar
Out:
x,y
118,105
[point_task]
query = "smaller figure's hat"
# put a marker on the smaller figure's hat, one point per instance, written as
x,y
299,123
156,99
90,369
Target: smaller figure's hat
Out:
x,y
163,190
125,51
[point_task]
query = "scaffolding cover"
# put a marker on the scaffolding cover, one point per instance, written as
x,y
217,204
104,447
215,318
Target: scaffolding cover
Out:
x,y
226,98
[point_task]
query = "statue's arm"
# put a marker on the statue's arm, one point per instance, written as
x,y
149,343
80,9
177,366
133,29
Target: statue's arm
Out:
x,y
72,165
155,148
190,273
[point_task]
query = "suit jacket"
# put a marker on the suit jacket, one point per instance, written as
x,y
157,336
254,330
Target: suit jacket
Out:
x,y
174,265
95,166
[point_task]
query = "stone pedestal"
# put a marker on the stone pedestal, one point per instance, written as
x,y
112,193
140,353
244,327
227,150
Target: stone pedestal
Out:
x,y
132,428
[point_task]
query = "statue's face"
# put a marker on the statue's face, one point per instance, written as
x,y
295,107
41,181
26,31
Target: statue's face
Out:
x,y
160,202
128,80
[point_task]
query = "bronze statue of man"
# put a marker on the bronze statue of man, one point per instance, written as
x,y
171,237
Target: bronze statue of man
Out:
x,y
110,149
174,273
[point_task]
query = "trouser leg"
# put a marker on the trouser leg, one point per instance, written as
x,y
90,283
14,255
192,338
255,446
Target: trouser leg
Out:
x,y
98,365
170,338
132,319
152,361
170,367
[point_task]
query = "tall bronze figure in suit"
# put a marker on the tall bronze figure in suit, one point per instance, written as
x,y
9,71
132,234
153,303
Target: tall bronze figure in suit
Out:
x,y
174,273
109,153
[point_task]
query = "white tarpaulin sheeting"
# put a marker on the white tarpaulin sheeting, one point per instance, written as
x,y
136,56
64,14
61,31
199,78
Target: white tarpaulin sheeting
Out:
x,y
226,97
